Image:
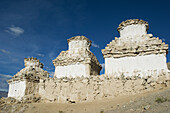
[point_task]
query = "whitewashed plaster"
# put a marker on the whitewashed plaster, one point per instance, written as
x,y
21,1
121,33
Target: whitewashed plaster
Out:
x,y
75,45
17,89
73,70
132,30
130,66
32,63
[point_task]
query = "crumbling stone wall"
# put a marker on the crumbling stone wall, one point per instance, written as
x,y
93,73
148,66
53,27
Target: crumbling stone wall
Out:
x,y
81,89
32,87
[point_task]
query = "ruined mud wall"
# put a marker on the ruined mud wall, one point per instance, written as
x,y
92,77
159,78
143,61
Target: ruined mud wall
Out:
x,y
32,87
75,90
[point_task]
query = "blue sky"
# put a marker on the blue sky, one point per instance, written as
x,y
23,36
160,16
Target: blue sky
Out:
x,y
40,28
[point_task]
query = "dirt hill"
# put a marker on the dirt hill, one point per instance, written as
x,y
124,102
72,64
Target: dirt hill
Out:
x,y
153,102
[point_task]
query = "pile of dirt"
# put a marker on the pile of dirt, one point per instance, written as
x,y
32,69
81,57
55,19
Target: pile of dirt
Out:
x,y
11,105
157,102
152,102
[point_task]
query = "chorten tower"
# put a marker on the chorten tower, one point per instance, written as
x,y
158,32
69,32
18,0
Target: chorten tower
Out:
x,y
26,80
78,60
135,53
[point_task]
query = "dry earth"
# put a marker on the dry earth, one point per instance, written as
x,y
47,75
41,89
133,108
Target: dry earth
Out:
x,y
168,64
140,103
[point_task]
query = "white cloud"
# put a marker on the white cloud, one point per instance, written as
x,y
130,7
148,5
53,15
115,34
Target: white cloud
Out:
x,y
6,90
5,76
95,45
40,55
163,39
52,55
4,51
16,31
3,82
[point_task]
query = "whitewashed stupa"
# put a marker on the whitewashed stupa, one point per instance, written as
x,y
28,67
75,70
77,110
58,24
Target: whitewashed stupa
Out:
x,y
135,53
25,82
78,60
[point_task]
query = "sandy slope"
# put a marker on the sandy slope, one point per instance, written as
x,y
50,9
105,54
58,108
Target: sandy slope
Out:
x,y
90,107
126,104
147,103
140,103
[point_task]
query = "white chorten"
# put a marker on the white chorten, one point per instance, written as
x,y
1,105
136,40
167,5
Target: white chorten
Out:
x,y
78,60
24,82
135,53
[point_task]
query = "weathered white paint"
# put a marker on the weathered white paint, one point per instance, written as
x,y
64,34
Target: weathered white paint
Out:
x,y
132,30
78,44
130,66
32,64
17,89
73,70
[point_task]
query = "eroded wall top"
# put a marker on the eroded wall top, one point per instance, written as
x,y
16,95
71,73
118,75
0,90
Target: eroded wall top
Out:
x,y
79,42
134,41
133,27
33,70
79,52
32,62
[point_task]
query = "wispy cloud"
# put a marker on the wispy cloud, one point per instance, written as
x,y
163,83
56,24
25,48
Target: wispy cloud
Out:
x,y
163,39
4,51
40,55
16,31
52,55
95,45
3,82
5,76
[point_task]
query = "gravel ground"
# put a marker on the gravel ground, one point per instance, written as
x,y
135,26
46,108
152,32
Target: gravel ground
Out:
x,y
156,102
153,102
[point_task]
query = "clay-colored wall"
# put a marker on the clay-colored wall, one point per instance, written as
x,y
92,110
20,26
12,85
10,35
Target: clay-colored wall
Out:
x,y
97,87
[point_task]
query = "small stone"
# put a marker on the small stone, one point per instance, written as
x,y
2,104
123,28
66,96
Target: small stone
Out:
x,y
131,110
131,101
117,105
147,107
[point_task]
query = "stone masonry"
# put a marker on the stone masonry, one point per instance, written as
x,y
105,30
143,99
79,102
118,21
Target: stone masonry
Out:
x,y
26,81
88,89
135,63
135,52
78,60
